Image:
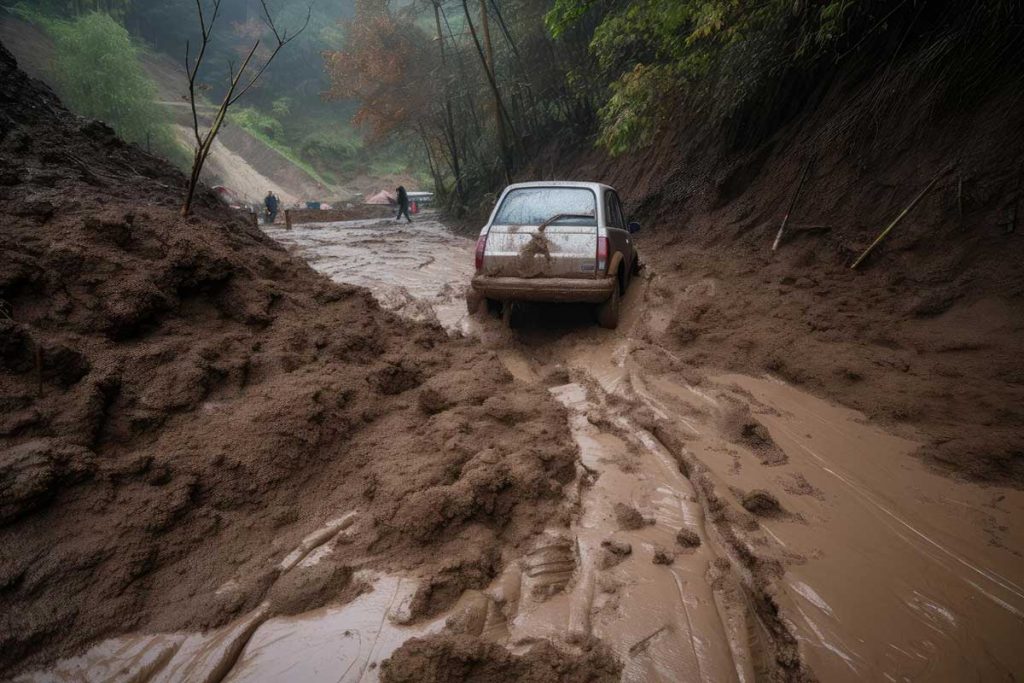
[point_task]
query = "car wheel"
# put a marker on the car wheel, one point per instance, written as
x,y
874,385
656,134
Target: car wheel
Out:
x,y
608,312
494,307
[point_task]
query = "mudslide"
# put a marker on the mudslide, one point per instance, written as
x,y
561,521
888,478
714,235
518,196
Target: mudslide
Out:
x,y
719,527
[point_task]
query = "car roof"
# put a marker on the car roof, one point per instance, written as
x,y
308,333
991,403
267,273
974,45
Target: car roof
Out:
x,y
560,183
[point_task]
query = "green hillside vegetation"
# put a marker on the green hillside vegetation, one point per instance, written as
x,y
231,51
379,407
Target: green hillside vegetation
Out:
x,y
97,73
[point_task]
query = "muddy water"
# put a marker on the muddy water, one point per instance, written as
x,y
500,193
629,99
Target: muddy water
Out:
x,y
420,270
875,568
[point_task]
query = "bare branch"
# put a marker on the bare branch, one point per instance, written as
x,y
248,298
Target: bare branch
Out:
x,y
281,42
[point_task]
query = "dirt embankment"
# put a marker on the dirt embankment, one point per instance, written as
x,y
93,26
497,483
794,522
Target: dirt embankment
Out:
x,y
182,402
927,332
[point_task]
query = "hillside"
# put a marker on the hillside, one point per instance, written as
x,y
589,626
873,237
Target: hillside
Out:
x,y
927,335
239,161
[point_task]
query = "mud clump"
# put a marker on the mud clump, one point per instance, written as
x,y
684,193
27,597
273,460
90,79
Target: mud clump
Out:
x,y
304,588
458,658
613,552
629,518
663,556
761,503
744,429
687,538
202,401
33,472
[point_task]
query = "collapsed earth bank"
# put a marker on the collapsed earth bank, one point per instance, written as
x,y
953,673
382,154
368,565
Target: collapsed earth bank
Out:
x,y
183,402
925,335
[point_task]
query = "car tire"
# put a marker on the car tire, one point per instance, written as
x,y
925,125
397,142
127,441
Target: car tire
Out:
x,y
608,312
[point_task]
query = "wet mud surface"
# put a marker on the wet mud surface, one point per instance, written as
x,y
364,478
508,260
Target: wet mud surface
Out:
x,y
718,527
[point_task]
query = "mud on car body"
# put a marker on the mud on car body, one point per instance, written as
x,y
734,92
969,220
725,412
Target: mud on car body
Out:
x,y
558,242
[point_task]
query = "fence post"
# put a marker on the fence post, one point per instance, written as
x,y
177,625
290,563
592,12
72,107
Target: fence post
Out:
x,y
288,219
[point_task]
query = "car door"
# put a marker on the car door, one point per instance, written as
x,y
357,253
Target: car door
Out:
x,y
618,235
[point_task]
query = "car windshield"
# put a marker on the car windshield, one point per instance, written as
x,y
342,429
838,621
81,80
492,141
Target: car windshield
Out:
x,y
535,205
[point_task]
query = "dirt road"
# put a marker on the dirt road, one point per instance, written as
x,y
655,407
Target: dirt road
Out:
x,y
720,526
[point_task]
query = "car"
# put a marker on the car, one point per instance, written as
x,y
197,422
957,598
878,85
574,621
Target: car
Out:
x,y
556,242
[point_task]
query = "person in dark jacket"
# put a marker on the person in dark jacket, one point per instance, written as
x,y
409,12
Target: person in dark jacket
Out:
x,y
403,204
271,203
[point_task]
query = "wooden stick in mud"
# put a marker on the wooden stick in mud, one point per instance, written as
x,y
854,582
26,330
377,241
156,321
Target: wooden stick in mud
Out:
x,y
287,219
792,205
900,217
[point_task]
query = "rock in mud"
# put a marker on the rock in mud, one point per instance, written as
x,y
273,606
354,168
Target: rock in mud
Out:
x,y
446,658
761,503
687,538
630,518
33,472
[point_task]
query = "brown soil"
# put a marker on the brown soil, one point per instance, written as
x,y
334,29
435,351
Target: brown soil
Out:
x,y
183,402
447,658
928,334
629,517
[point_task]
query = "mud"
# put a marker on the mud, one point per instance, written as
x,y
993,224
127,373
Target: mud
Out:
x,y
190,414
700,524
419,270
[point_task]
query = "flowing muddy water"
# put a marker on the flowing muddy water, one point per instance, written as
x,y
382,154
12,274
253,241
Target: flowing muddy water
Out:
x,y
856,562
418,269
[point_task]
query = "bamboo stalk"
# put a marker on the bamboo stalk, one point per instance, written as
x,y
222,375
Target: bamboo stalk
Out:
x,y
792,205
900,217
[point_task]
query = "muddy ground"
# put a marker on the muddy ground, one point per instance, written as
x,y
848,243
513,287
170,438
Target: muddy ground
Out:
x,y
184,403
220,465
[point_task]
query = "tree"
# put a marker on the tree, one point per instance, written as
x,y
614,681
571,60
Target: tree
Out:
x,y
98,75
239,83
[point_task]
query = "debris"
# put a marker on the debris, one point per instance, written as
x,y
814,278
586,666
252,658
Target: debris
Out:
x,y
629,517
662,556
617,547
641,645
900,217
687,538
792,205
761,503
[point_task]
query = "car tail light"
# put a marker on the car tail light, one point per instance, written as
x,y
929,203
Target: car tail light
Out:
x,y
602,254
481,244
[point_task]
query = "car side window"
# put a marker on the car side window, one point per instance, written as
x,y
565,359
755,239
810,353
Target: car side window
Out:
x,y
612,211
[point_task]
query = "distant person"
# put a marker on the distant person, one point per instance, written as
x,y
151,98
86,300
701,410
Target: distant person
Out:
x,y
403,204
271,203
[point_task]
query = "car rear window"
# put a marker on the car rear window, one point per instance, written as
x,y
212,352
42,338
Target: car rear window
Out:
x,y
534,205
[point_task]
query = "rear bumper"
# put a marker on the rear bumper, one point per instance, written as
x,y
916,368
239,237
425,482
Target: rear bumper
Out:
x,y
545,289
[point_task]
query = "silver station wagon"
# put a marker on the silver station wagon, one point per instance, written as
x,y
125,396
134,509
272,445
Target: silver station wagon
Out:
x,y
559,242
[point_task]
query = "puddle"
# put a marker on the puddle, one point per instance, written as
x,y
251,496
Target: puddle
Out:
x,y
420,270
889,570
333,644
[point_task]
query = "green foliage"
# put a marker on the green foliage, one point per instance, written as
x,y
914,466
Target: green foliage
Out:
x,y
256,122
97,74
334,146
281,107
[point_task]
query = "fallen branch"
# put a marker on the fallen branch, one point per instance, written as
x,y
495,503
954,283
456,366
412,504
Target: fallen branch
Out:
x,y
900,217
792,205
641,644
